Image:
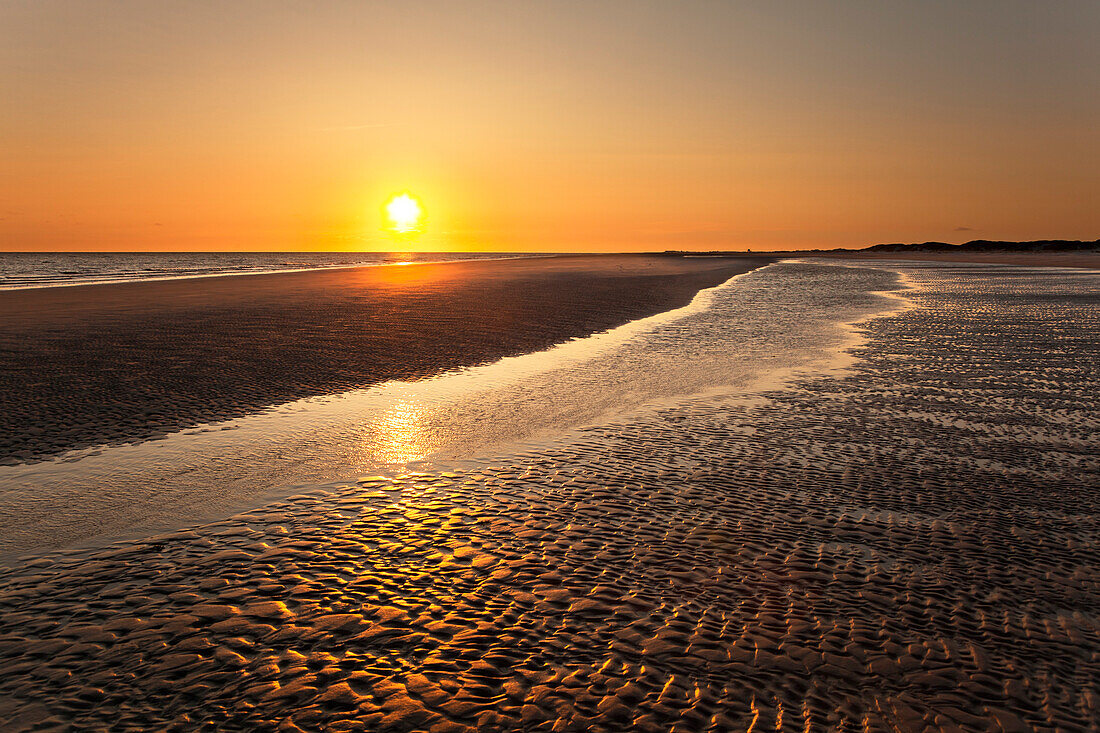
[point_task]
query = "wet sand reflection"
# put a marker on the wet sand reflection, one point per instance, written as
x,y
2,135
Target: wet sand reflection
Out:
x,y
906,545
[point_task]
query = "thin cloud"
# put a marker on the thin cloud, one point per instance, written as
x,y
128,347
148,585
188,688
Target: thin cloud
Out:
x,y
964,229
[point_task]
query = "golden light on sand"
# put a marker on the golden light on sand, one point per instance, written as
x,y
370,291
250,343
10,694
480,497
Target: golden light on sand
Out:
x,y
403,214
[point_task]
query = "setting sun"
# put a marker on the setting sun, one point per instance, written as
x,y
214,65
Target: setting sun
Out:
x,y
605,365
403,214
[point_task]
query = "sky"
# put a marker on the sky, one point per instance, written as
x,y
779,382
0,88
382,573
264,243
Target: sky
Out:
x,y
621,125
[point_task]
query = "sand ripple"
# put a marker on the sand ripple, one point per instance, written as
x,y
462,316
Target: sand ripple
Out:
x,y
909,546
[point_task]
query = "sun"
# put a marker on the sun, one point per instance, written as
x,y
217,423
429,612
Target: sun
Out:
x,y
403,214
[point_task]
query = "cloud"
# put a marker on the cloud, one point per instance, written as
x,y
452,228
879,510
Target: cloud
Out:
x,y
964,229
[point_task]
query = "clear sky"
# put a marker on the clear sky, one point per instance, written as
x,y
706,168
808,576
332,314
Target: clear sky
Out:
x,y
552,125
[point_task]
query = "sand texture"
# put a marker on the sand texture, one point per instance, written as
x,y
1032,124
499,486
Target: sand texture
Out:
x,y
1083,259
107,364
909,545
742,335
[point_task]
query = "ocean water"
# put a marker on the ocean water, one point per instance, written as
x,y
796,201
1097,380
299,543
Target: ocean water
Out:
x,y
20,270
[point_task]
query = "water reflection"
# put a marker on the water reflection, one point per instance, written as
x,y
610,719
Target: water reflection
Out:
x,y
396,435
730,337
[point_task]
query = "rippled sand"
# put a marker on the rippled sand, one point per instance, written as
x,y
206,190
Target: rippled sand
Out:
x,y
741,334
908,545
91,365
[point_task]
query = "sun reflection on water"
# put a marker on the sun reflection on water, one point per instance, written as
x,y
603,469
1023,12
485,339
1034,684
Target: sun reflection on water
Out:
x,y
397,435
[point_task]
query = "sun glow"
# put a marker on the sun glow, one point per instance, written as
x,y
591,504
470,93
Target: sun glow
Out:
x,y
403,215
397,436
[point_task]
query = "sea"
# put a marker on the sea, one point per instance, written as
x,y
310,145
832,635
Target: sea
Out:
x,y
22,270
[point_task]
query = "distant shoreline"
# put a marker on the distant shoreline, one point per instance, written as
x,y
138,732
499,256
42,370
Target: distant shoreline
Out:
x,y
1037,253
1080,260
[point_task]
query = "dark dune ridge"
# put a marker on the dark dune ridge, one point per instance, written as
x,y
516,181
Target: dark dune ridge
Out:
x,y
987,245
1037,253
981,246
984,246
88,365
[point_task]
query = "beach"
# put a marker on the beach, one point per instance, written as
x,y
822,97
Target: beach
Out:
x,y
96,364
550,367
744,333
1082,259
888,522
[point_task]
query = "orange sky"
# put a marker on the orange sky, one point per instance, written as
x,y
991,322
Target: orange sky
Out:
x,y
556,126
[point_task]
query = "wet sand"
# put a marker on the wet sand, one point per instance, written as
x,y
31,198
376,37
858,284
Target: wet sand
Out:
x,y
1088,260
742,334
908,545
107,364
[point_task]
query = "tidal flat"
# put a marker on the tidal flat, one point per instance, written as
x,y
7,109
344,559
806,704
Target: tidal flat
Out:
x,y
898,535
